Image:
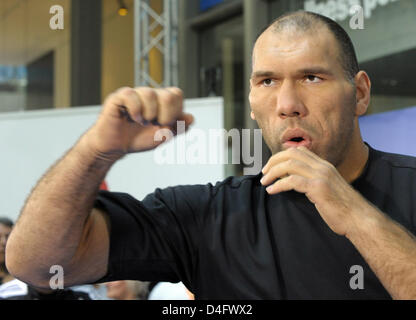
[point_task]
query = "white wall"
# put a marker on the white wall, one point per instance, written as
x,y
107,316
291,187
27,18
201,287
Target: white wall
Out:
x,y
30,142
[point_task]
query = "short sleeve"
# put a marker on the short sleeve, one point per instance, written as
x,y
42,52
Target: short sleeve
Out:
x,y
155,239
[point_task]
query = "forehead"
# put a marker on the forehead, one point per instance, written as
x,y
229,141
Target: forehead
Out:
x,y
292,49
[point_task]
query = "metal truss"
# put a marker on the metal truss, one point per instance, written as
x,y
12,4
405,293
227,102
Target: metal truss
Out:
x,y
146,21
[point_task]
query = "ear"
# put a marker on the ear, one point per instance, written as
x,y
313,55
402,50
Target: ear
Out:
x,y
249,98
363,92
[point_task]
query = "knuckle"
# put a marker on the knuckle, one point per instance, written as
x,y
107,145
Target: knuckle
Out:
x,y
291,162
326,171
164,121
168,98
274,170
149,115
177,91
293,179
126,91
147,93
293,151
319,184
110,98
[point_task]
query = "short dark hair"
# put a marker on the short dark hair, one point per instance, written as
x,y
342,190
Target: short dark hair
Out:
x,y
305,20
7,222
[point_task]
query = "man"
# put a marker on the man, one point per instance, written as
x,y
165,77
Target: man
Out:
x,y
332,204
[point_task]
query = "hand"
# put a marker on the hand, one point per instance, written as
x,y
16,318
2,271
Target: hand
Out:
x,y
301,170
130,119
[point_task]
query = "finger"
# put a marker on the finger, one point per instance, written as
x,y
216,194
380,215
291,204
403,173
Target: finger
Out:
x,y
289,167
181,125
310,153
176,91
292,153
149,100
170,105
292,182
124,103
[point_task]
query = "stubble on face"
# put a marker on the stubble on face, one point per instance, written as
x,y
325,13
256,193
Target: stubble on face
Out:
x,y
336,132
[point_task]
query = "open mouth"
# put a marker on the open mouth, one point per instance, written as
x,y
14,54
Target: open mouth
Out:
x,y
296,138
297,142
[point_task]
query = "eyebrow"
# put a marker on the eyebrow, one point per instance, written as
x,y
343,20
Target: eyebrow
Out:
x,y
311,70
316,70
261,74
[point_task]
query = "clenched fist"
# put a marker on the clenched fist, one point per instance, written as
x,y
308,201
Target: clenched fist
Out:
x,y
130,119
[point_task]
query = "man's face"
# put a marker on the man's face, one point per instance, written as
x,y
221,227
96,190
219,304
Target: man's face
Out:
x,y
299,91
4,235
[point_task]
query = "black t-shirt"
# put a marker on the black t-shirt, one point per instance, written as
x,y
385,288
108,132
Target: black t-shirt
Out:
x,y
234,241
64,294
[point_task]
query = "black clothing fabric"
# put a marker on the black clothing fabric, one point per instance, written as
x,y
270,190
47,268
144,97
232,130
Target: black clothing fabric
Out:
x,y
64,294
234,241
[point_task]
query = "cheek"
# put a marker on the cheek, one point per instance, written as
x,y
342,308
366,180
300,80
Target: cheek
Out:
x,y
262,104
335,124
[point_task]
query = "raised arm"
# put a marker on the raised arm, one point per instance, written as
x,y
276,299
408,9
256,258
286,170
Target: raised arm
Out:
x,y
58,224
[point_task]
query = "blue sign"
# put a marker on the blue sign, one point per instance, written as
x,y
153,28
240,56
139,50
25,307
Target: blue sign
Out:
x,y
206,4
391,131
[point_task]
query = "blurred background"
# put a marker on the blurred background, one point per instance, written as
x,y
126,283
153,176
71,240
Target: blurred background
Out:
x,y
202,46
62,54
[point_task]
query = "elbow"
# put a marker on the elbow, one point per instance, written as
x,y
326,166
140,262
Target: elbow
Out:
x,y
23,270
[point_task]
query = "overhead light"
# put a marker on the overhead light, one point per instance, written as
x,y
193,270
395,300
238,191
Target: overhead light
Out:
x,y
122,8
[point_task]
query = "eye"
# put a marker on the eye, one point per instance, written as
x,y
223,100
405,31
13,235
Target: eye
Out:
x,y
267,82
313,79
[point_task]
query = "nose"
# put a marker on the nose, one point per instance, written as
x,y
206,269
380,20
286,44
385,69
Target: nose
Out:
x,y
289,103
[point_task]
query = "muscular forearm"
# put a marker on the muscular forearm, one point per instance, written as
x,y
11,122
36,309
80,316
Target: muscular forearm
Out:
x,y
390,251
51,225
58,225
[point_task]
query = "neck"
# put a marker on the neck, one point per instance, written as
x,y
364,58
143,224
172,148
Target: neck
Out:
x,y
355,160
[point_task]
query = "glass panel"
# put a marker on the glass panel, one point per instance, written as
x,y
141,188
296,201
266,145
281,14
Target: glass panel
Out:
x,y
34,54
222,67
31,39
222,73
13,81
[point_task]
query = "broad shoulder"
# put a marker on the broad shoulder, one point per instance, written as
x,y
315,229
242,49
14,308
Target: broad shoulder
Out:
x,y
396,160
